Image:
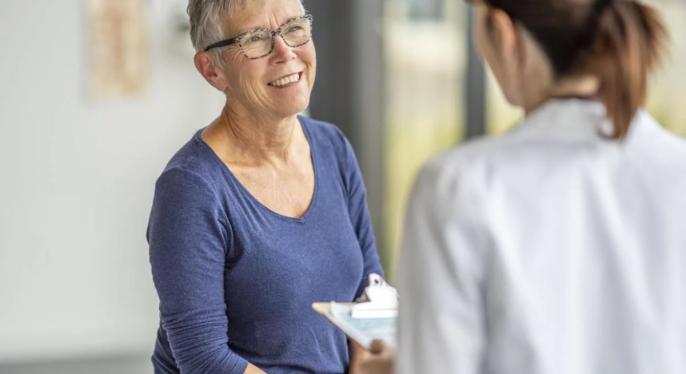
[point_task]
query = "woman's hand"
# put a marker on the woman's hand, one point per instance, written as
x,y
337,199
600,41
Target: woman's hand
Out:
x,y
357,355
380,359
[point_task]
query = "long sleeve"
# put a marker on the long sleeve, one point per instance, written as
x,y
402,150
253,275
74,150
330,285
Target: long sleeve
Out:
x,y
188,237
441,323
359,216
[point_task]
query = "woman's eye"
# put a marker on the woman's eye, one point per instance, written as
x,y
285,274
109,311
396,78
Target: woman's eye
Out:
x,y
254,39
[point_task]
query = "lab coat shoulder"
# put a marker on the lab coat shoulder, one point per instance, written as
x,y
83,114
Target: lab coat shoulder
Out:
x,y
465,172
448,213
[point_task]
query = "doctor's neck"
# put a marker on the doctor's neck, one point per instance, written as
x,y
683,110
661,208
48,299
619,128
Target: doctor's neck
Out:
x,y
581,87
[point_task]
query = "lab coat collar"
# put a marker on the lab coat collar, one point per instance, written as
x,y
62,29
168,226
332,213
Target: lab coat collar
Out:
x,y
566,119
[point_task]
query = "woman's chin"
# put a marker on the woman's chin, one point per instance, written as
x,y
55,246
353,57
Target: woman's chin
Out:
x,y
292,107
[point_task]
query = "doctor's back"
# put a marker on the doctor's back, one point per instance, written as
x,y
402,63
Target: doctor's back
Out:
x,y
560,247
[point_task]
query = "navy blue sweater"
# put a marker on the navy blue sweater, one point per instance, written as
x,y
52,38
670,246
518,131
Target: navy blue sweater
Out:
x,y
236,280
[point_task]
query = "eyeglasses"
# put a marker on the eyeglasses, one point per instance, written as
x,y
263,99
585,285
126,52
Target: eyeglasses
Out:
x,y
259,42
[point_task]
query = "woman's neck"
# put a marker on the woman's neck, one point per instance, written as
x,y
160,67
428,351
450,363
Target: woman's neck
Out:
x,y
252,140
577,87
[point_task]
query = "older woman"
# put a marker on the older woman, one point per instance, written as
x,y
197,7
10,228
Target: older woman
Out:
x,y
262,212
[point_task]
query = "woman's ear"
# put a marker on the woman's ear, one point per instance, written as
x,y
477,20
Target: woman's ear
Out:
x,y
504,33
504,51
209,69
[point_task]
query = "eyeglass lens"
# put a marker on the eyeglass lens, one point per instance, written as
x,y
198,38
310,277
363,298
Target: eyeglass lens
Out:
x,y
259,43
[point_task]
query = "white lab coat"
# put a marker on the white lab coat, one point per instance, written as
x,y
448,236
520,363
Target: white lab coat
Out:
x,y
549,250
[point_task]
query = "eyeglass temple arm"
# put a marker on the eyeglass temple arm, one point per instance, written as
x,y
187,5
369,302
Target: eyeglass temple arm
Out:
x,y
222,43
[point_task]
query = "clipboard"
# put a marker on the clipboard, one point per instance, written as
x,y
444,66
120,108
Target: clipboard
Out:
x,y
361,330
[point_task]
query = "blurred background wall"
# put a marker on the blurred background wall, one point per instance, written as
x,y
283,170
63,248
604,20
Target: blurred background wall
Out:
x,y
78,160
78,169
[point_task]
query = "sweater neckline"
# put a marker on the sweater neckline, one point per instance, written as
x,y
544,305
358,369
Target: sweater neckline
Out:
x,y
244,191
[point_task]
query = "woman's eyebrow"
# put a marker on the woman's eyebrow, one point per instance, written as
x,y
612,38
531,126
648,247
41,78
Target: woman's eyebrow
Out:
x,y
291,19
267,27
258,28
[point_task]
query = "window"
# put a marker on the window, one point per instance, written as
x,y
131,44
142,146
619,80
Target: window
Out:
x,y
668,88
425,62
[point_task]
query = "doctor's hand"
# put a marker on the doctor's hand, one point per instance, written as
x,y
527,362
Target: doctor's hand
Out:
x,y
379,360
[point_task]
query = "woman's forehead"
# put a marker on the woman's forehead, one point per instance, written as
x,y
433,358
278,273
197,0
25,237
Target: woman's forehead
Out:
x,y
249,14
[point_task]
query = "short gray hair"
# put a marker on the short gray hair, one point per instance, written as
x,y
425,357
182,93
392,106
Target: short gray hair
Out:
x,y
206,19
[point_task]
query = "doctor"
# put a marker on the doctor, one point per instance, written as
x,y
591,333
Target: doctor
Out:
x,y
559,248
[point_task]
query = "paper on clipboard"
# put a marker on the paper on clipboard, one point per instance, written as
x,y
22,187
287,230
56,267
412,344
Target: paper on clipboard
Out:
x,y
361,330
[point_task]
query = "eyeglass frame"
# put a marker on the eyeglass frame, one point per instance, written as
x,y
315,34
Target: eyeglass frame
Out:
x,y
272,33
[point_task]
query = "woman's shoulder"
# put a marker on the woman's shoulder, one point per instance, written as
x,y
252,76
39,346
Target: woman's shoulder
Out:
x,y
322,132
194,160
476,167
470,158
556,132
646,132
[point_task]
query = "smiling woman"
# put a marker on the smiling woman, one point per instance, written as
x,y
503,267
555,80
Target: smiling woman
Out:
x,y
262,212
246,65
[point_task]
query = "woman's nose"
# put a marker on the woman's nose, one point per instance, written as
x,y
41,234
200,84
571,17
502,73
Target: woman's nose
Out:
x,y
282,51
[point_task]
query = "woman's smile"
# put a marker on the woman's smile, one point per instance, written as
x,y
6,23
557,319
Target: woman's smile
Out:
x,y
286,81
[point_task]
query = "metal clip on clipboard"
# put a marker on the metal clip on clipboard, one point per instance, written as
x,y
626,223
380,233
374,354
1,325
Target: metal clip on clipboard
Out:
x,y
382,300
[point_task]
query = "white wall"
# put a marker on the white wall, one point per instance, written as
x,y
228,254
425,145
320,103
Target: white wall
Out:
x,y
76,181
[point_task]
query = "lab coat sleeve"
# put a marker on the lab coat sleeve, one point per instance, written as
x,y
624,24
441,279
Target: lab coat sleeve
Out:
x,y
440,274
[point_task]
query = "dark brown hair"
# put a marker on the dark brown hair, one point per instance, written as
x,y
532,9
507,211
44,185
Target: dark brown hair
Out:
x,y
619,41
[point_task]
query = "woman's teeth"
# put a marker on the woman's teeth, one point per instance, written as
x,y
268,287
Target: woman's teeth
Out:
x,y
285,80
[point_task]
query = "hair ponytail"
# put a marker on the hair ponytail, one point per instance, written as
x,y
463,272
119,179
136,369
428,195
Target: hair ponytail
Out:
x,y
629,42
619,41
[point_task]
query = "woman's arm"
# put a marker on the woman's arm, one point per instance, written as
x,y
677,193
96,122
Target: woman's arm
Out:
x,y
359,215
441,273
188,236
